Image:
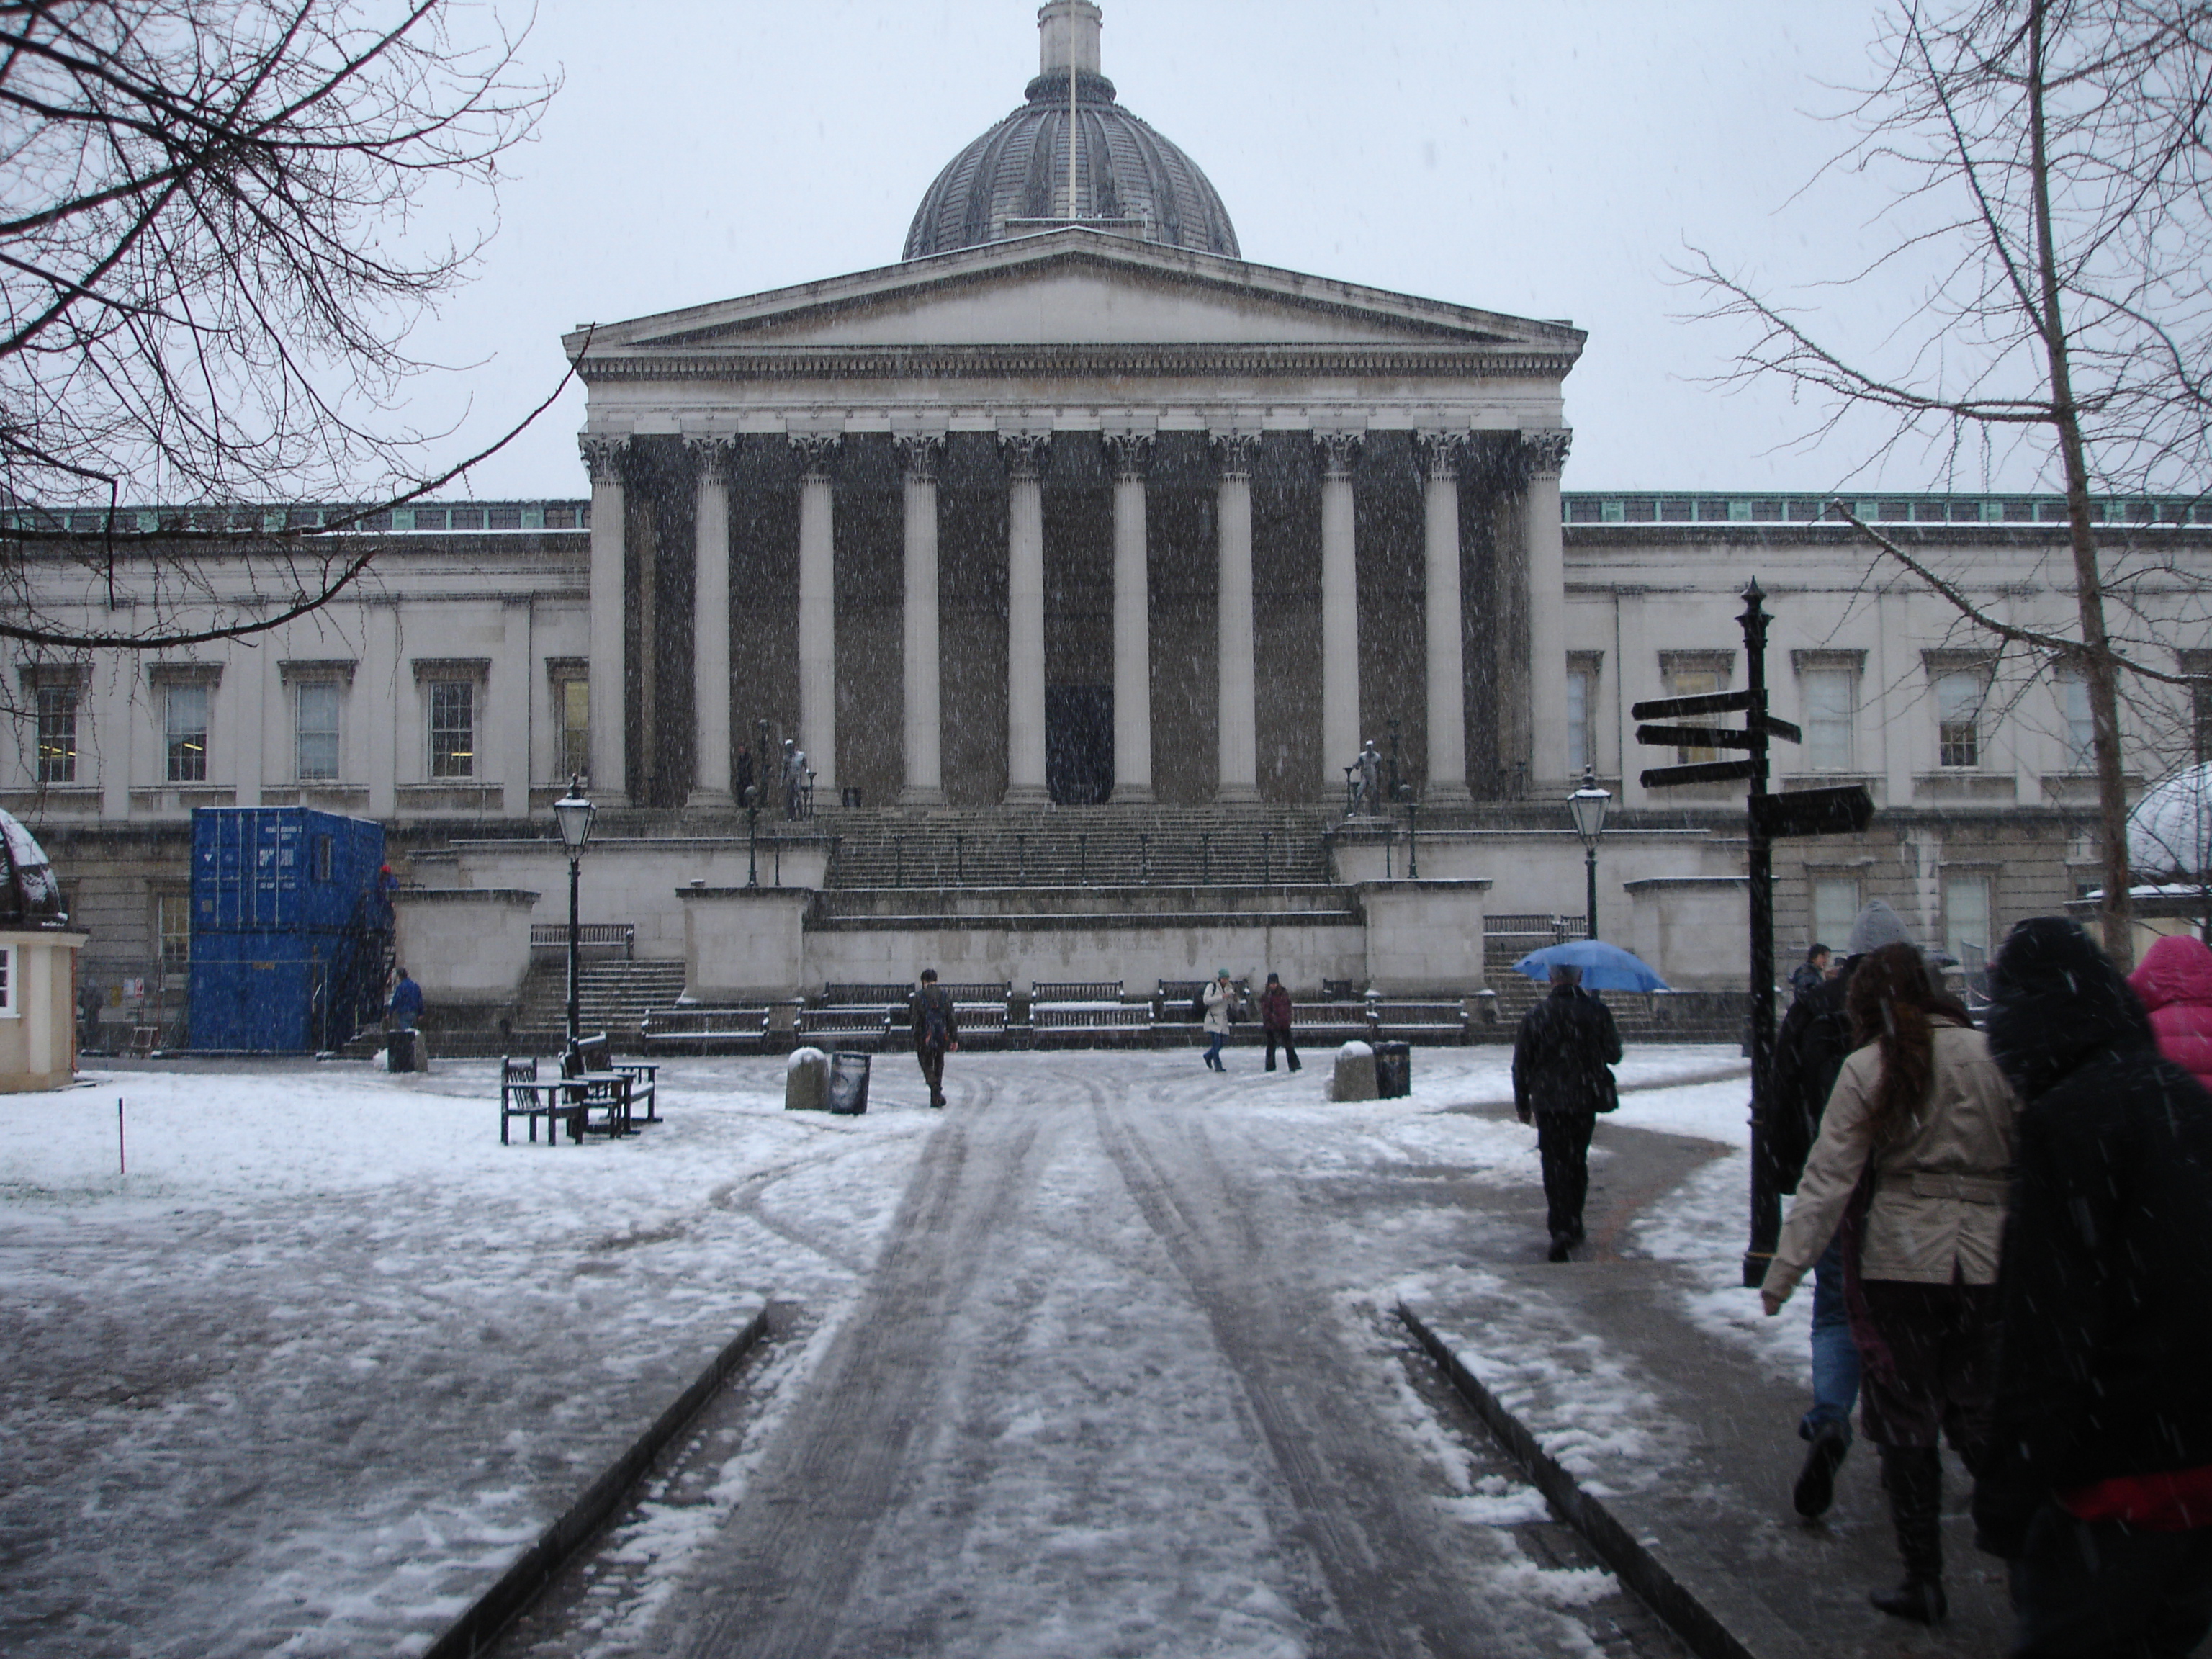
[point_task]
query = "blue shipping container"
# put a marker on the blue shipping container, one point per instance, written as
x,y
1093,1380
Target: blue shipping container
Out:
x,y
288,927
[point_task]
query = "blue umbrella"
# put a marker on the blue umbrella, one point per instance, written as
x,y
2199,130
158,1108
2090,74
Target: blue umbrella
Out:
x,y
1605,967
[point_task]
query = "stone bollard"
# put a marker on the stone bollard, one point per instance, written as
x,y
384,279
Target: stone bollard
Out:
x,y
1355,1073
807,1081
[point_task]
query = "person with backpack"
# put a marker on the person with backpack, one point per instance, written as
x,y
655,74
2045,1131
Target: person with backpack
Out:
x,y
1218,1001
936,1032
1809,1051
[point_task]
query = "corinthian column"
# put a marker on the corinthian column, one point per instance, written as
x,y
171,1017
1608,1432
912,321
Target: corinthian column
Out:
x,y
1239,779
1340,612
710,628
817,610
1543,454
925,775
1025,774
609,736
1447,780
1130,454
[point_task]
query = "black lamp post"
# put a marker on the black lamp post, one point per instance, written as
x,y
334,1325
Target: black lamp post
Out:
x,y
574,814
752,833
1413,832
1588,804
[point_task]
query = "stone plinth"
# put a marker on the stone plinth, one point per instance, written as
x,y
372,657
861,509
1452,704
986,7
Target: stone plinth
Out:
x,y
1424,935
1694,930
465,945
1355,1073
743,943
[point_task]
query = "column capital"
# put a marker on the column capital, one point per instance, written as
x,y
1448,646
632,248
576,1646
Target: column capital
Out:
x,y
1339,452
816,450
1129,453
920,455
1234,452
1544,452
1025,453
711,455
1440,454
602,452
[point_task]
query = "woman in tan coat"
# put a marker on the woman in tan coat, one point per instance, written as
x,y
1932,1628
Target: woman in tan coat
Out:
x,y
1913,1160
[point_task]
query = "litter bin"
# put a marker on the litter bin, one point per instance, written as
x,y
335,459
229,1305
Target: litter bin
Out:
x,y
1394,1070
848,1082
399,1051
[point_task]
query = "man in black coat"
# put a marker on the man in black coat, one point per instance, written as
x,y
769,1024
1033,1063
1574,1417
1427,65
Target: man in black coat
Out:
x,y
1561,1054
2098,1486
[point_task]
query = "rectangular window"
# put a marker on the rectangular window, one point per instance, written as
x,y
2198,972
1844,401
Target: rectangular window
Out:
x,y
1960,695
453,729
2080,729
185,732
1967,919
1695,682
172,921
8,981
573,697
1581,753
316,716
1835,907
57,734
2200,709
1831,710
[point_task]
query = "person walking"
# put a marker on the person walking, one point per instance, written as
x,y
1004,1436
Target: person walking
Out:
x,y
2174,984
1275,1021
1809,975
403,1049
1220,1000
1921,1123
1562,1056
2098,1486
936,1032
1809,1052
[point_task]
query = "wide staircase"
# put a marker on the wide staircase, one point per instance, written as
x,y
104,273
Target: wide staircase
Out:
x,y
613,997
1078,846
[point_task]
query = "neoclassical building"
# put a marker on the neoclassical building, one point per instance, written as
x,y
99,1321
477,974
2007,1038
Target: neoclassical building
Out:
x,y
1074,524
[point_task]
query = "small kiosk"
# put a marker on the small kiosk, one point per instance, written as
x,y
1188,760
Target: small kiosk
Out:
x,y
38,969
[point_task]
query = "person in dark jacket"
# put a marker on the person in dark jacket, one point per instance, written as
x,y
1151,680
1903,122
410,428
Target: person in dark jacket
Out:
x,y
1809,1051
2174,981
1809,975
1275,1021
936,1032
1561,1077
2098,1486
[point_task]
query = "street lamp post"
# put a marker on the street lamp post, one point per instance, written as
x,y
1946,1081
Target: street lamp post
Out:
x,y
752,833
573,813
1412,831
1588,804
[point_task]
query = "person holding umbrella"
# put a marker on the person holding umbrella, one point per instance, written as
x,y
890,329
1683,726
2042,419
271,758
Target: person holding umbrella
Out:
x,y
1562,1077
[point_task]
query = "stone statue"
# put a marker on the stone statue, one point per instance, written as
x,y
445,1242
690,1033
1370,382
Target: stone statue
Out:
x,y
1371,780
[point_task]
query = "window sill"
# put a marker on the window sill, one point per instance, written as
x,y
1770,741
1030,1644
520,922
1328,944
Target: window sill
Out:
x,y
2081,787
452,795
182,797
326,797
54,801
1963,783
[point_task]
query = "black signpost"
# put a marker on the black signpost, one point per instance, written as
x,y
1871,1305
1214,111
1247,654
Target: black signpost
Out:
x,y
1799,812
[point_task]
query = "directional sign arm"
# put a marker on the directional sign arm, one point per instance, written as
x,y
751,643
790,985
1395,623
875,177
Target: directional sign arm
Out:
x,y
1776,727
1696,737
1710,702
1662,777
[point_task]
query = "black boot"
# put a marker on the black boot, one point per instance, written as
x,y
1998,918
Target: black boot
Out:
x,y
1816,1481
1913,1475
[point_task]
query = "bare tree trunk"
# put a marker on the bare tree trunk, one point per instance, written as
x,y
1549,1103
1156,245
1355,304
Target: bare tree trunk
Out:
x,y
2116,910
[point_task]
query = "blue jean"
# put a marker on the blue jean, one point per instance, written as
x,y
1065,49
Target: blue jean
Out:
x,y
1213,1042
1835,1356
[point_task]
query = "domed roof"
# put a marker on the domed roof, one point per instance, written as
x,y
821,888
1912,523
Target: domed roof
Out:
x,y
2170,830
1013,180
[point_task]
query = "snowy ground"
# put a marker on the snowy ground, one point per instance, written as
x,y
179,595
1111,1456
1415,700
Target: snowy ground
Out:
x,y
328,1351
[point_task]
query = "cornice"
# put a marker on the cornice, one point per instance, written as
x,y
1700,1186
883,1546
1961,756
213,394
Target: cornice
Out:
x,y
786,364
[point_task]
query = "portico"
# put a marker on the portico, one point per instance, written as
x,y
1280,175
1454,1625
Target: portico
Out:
x,y
1196,531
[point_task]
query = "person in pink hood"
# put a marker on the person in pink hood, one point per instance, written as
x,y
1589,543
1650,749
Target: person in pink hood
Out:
x,y
2174,981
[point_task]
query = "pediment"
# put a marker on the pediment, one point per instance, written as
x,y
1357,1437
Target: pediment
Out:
x,y
1075,288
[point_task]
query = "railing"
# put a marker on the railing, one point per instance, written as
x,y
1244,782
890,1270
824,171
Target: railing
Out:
x,y
590,936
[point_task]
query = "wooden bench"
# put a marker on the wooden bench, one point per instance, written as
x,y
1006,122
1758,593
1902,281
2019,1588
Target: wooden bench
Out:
x,y
1076,1022
522,1094
1421,1022
743,1028
1330,1022
850,1026
1085,991
596,1094
859,996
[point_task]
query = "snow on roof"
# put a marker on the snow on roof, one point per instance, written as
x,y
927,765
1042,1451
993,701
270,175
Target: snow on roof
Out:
x,y
2169,831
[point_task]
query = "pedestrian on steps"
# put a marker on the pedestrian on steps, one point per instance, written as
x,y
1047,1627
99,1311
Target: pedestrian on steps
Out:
x,y
1913,1161
1220,1000
1562,1056
1275,1021
2098,1488
1809,1051
936,1032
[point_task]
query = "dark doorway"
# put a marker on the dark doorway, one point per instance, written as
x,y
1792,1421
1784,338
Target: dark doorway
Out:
x,y
1078,743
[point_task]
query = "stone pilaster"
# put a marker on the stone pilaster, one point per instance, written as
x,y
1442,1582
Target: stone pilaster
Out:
x,y
817,609
1025,456
1130,455
610,779
1340,612
1543,454
710,628
1447,677
919,458
1239,717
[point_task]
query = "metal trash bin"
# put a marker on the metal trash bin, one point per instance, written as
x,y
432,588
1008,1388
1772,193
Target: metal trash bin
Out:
x,y
848,1082
399,1051
1394,1070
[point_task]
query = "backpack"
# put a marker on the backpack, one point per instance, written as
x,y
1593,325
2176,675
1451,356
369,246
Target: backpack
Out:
x,y
1809,1051
1198,1007
934,1034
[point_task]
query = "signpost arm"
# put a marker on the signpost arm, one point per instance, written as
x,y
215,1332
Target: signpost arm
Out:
x,y
1765,1192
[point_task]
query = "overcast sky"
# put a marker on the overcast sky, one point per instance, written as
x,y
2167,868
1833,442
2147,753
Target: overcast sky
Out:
x,y
1549,161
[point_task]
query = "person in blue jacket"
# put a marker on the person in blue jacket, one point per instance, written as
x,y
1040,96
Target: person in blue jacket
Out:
x,y
406,1002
